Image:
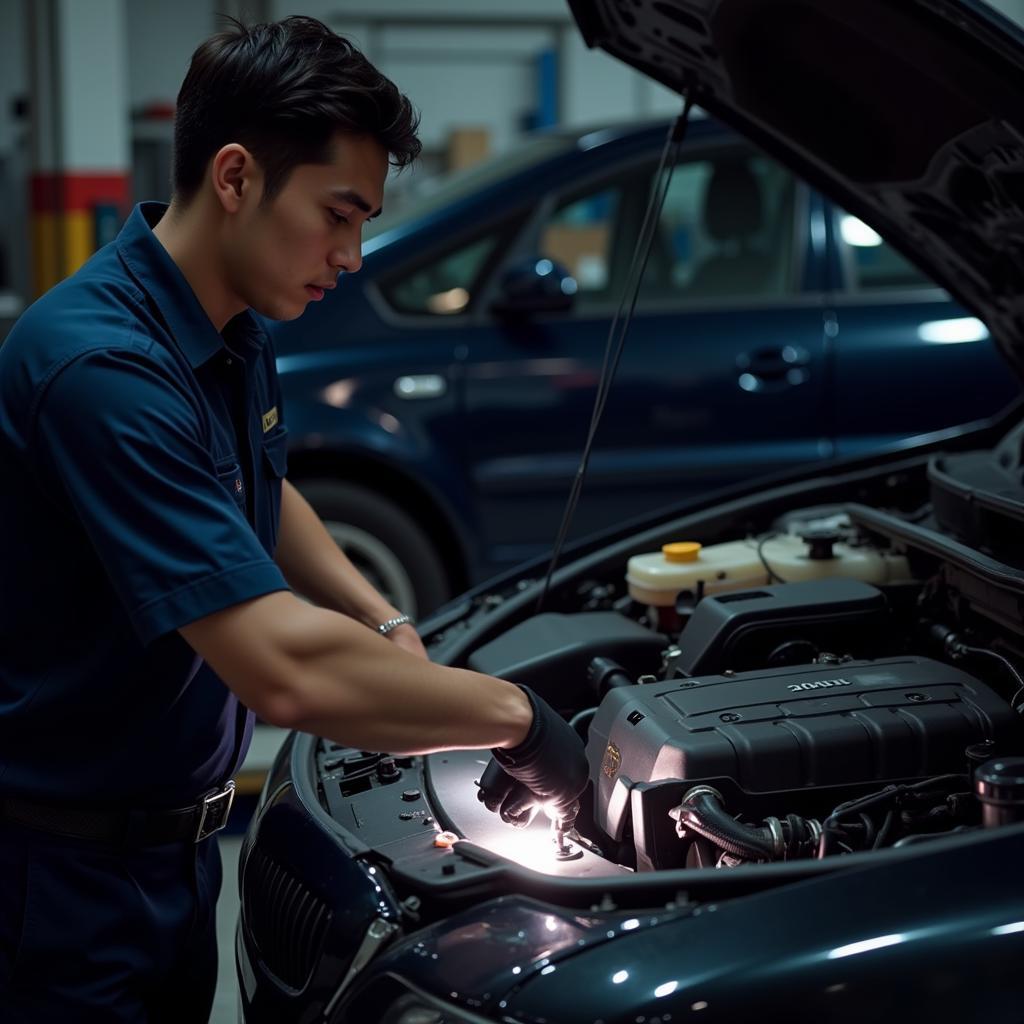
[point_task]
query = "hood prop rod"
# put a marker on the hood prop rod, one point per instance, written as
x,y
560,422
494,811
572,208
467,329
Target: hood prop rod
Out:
x,y
615,344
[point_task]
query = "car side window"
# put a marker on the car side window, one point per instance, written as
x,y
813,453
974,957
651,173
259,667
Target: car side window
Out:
x,y
446,283
726,231
871,263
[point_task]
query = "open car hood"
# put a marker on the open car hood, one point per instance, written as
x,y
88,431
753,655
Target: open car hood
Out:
x,y
909,113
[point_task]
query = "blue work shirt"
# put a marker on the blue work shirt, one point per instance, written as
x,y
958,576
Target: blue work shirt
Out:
x,y
142,455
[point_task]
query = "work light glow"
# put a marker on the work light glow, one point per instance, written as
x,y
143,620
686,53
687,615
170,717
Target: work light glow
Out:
x,y
954,331
531,848
856,232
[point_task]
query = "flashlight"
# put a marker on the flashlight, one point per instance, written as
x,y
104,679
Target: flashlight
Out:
x,y
561,823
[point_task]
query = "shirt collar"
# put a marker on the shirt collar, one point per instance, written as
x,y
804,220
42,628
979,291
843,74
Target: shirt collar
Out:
x,y
161,278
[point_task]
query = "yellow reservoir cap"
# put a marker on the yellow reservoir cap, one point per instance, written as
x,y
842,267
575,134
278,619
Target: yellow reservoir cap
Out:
x,y
681,551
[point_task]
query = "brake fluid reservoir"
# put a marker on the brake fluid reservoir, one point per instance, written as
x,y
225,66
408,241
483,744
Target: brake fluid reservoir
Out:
x,y
657,578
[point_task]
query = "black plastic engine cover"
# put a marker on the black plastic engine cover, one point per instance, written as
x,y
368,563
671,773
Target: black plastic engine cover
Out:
x,y
739,630
791,728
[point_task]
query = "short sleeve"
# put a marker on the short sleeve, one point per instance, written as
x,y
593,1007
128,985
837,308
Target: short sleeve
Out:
x,y
118,437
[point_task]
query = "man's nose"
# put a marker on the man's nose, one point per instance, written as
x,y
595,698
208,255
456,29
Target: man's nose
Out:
x,y
347,258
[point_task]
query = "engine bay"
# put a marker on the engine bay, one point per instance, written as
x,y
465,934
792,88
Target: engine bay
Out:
x,y
843,681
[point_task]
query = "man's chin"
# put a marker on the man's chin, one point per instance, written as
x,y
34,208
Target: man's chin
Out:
x,y
280,311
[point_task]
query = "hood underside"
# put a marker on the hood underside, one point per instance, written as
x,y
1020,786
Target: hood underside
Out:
x,y
908,113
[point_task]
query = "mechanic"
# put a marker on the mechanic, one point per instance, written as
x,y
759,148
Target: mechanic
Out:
x,y
152,550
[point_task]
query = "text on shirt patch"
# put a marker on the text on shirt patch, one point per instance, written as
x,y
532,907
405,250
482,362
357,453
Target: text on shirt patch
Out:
x,y
269,419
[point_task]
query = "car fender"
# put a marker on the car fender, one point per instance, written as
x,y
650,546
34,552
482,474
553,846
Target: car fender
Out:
x,y
824,949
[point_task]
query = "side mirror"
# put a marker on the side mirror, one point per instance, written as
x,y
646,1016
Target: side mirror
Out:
x,y
535,286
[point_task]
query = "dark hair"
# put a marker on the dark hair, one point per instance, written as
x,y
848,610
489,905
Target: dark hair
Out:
x,y
283,90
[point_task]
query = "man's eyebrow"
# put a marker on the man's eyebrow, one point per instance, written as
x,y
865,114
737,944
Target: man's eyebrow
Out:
x,y
347,195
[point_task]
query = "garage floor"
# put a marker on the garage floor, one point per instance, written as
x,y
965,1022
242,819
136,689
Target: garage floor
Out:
x,y
225,1004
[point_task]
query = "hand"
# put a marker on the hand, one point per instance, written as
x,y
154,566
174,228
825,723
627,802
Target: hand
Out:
x,y
409,640
548,768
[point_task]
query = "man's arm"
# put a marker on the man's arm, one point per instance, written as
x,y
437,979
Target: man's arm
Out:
x,y
302,667
317,568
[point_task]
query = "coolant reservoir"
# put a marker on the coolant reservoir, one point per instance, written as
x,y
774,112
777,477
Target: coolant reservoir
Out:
x,y
819,555
658,577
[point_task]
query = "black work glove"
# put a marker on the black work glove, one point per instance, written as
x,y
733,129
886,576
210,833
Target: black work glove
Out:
x,y
548,767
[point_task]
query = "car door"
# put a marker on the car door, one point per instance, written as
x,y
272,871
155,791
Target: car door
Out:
x,y
904,357
721,377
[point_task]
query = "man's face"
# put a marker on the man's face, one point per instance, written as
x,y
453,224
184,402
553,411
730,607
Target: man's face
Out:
x,y
281,255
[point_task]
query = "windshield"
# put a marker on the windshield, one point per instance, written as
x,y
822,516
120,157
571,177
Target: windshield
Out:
x,y
435,193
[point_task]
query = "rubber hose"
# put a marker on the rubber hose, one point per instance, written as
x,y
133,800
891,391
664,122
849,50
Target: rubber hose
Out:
x,y
797,834
703,813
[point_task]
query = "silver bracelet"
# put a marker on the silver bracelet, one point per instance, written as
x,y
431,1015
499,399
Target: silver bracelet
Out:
x,y
399,620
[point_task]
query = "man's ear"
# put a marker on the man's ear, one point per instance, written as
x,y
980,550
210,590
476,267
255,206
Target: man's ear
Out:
x,y
235,176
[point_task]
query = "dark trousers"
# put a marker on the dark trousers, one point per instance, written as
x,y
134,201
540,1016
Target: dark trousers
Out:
x,y
90,932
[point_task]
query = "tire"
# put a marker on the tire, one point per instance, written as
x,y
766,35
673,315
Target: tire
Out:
x,y
384,543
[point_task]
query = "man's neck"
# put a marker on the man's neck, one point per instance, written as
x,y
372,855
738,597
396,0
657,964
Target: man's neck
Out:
x,y
190,241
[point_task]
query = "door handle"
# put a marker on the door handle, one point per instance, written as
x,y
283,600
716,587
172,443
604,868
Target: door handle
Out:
x,y
767,371
421,385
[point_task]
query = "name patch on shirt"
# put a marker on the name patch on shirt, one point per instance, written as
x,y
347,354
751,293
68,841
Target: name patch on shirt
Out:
x,y
269,419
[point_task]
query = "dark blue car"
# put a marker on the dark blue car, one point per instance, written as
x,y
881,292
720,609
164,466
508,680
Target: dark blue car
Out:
x,y
438,400
804,720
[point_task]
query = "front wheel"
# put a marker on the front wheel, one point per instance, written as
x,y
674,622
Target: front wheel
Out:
x,y
383,542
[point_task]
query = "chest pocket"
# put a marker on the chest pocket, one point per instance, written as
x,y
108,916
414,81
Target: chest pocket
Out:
x,y
229,473
275,468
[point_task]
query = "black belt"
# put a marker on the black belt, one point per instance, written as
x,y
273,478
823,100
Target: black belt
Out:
x,y
125,828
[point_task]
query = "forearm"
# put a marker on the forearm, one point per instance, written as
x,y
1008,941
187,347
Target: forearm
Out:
x,y
317,568
308,668
396,702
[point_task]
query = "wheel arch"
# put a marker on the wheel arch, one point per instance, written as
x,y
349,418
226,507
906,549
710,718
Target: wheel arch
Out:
x,y
400,487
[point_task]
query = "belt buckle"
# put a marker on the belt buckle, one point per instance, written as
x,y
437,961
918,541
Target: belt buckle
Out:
x,y
214,811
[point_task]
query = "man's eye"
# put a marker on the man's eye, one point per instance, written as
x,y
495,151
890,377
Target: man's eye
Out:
x,y
337,218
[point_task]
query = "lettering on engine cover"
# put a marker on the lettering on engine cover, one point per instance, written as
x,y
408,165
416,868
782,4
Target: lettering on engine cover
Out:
x,y
819,684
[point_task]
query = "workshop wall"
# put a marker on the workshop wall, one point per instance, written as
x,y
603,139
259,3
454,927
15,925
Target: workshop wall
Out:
x,y
481,74
494,69
14,275
161,38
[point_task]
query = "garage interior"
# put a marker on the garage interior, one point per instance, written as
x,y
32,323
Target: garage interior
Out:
x,y
87,90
